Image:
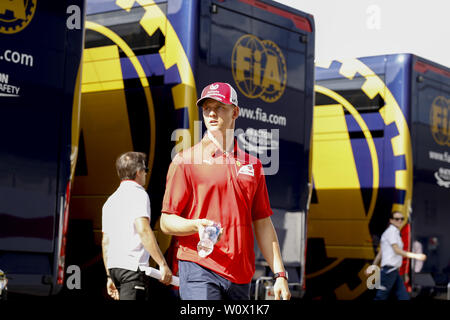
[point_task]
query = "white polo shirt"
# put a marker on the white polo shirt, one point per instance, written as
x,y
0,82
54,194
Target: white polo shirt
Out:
x,y
388,256
129,202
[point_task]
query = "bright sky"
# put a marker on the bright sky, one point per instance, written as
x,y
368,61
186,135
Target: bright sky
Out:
x,y
356,28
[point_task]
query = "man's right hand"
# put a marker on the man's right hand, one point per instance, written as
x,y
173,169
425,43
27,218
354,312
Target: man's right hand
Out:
x,y
202,223
166,274
111,289
420,257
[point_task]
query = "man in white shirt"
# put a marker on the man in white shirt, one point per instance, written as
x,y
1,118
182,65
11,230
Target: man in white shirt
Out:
x,y
391,254
128,241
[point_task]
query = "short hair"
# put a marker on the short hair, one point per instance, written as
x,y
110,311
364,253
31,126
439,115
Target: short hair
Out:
x,y
129,163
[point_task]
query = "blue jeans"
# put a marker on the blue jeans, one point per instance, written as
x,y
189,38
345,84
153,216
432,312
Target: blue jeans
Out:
x,y
199,283
391,281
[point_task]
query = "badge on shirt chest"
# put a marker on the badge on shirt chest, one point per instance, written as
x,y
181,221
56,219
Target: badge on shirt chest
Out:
x,y
247,170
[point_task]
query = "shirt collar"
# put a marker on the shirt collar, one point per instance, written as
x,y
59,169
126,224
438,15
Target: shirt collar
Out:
x,y
395,227
128,182
214,140
216,151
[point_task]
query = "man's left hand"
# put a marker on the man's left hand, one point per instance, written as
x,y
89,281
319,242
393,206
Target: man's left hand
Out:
x,y
281,289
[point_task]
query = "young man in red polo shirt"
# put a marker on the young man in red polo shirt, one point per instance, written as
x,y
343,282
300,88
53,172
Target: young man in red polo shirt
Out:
x,y
215,181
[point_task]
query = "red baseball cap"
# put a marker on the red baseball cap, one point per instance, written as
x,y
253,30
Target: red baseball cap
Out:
x,y
219,91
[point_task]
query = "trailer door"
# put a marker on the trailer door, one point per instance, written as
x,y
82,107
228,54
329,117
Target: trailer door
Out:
x,y
431,192
40,55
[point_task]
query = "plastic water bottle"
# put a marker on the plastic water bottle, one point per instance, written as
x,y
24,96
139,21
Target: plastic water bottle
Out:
x,y
208,238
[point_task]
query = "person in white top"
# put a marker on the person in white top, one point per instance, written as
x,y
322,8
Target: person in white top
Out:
x,y
391,254
128,241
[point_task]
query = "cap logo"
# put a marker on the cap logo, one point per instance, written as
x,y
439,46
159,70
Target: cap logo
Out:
x,y
222,92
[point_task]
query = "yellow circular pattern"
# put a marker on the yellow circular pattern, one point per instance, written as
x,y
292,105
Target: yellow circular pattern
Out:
x,y
10,26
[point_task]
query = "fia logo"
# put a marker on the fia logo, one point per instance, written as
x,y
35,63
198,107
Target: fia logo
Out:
x,y
259,68
15,15
440,120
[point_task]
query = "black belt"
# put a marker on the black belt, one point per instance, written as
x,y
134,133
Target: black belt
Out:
x,y
389,267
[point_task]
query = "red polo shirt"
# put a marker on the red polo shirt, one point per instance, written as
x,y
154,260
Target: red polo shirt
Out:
x,y
230,188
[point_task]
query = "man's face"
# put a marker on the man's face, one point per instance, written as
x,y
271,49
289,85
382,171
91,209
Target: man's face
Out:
x,y
141,176
397,219
219,116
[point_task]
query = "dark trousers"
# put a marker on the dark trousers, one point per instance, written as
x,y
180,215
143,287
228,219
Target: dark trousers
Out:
x,y
132,285
199,283
391,282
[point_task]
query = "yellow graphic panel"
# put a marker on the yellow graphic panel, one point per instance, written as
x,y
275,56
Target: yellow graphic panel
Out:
x,y
106,133
104,122
337,218
20,15
334,169
101,69
172,54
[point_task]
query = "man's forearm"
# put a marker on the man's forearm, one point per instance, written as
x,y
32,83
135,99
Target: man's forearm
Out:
x,y
268,244
178,226
404,253
150,244
377,259
105,254
410,255
105,259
